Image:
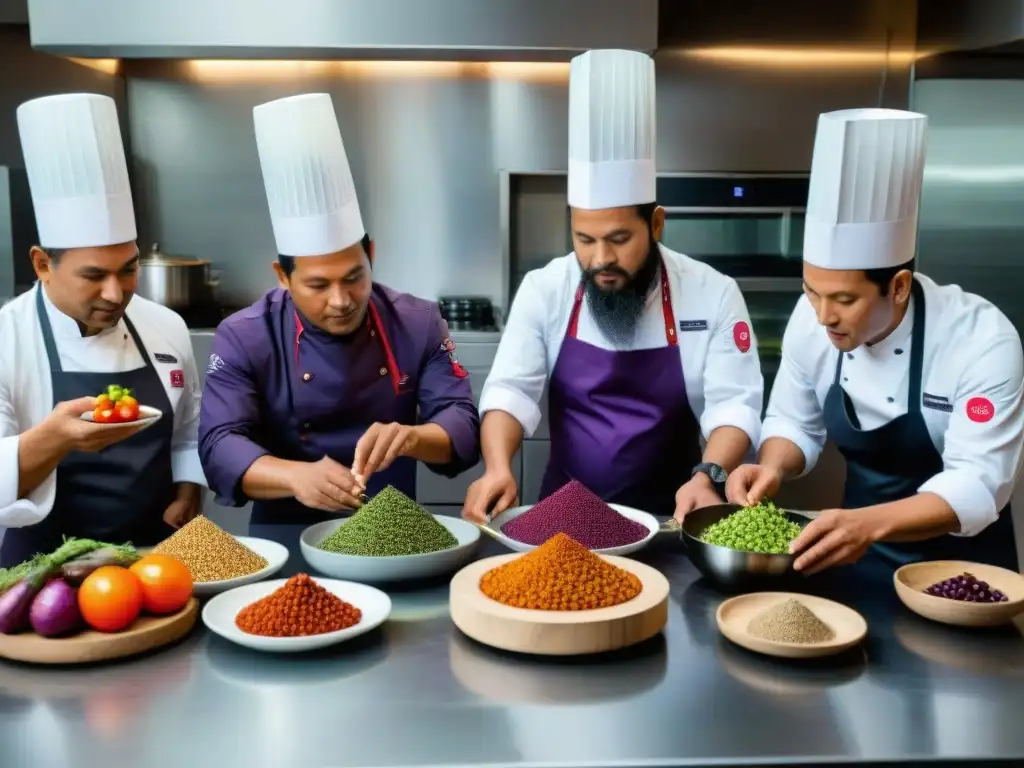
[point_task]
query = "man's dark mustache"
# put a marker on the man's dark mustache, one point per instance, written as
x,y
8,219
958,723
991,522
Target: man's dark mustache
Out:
x,y
610,270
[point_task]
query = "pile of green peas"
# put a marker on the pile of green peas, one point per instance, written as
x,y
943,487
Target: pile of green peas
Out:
x,y
763,528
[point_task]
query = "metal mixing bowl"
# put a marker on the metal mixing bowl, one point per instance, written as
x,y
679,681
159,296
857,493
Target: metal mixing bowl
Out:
x,y
731,569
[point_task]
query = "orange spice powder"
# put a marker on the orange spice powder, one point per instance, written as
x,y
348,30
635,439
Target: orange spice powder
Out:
x,y
560,575
298,607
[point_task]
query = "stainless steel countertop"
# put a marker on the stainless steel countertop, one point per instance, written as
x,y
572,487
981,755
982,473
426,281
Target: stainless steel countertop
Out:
x,y
417,693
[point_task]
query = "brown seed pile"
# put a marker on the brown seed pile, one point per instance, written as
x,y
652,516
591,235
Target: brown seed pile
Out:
x,y
790,622
560,575
298,608
210,552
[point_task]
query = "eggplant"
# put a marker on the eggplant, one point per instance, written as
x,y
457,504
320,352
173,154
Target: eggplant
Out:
x,y
15,605
55,610
75,571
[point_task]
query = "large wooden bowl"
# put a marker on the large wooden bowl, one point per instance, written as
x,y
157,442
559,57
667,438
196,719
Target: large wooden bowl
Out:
x,y
912,580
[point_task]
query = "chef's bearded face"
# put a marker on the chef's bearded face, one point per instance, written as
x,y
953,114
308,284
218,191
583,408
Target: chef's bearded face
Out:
x,y
858,306
331,291
90,285
618,252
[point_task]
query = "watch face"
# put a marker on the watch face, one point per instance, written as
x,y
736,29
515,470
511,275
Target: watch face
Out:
x,y
717,473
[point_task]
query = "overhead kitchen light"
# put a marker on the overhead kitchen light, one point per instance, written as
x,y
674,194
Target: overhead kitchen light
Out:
x,y
802,58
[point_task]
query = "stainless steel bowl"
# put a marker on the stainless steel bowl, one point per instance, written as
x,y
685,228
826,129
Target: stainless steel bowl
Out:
x,y
731,569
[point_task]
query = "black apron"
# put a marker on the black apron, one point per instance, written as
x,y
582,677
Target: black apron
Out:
x,y
891,462
118,494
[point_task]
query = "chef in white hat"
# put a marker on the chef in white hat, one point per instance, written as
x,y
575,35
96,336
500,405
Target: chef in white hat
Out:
x,y
331,386
76,333
919,385
644,351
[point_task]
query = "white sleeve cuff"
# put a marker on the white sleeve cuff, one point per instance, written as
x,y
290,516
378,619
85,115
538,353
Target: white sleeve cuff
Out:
x,y
15,512
970,499
775,426
186,467
496,397
732,415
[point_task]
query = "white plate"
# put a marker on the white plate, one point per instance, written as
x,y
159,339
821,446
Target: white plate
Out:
x,y
219,615
276,556
147,418
645,519
398,568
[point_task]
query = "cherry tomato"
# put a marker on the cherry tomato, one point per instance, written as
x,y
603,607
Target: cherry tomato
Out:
x,y
103,402
110,598
127,412
166,583
104,416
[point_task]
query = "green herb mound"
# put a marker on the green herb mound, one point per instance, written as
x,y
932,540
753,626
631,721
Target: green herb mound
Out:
x,y
389,525
763,528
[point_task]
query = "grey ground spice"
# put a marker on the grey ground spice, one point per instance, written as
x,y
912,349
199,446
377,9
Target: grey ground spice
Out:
x,y
389,525
790,622
210,552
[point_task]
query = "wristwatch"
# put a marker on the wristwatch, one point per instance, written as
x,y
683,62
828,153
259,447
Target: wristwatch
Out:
x,y
715,473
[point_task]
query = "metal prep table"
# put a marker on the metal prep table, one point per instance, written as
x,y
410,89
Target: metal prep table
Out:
x,y
418,693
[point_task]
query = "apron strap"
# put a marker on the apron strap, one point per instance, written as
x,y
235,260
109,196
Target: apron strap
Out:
x,y
916,349
666,309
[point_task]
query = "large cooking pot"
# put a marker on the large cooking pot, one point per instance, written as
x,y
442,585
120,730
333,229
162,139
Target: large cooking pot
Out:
x,y
177,282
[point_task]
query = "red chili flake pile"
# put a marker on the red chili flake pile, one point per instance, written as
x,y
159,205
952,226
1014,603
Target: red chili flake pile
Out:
x,y
299,607
578,512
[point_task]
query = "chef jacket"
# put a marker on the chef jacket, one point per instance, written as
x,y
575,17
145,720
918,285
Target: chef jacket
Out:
x,y
972,393
26,393
717,349
265,370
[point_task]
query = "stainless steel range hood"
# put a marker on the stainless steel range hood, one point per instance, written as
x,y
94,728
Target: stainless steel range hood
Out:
x,y
989,26
477,30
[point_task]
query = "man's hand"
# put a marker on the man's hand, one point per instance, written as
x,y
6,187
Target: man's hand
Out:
x,y
835,537
77,434
380,445
697,492
750,484
326,485
185,506
493,493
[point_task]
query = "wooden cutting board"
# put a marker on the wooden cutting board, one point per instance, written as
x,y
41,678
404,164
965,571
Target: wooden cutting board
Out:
x,y
558,633
145,634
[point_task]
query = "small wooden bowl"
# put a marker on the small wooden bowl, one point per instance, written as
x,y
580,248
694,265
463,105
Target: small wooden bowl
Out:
x,y
912,580
735,614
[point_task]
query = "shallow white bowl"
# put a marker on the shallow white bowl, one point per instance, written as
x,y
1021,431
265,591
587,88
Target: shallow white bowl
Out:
x,y
275,554
384,569
147,418
219,615
645,519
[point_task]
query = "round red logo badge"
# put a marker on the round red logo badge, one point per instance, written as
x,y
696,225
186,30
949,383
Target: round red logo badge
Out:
x,y
980,409
741,335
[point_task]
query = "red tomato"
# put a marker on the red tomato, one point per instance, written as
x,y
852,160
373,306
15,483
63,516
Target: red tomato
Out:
x,y
127,412
103,402
166,583
110,598
104,416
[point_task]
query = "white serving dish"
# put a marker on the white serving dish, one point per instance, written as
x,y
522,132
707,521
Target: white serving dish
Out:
x,y
219,615
385,569
147,417
645,519
275,554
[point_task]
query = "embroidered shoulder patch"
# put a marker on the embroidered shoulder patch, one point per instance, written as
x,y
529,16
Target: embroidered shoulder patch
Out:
x,y
741,335
980,409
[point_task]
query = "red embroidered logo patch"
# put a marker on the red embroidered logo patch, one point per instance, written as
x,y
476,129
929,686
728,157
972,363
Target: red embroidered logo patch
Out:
x,y
980,409
449,346
741,335
177,379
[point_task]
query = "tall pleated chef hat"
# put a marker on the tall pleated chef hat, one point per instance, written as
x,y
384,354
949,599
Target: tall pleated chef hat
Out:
x,y
77,171
866,175
611,130
309,185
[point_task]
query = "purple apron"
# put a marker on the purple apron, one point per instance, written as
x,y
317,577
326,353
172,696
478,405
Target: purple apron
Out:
x,y
620,422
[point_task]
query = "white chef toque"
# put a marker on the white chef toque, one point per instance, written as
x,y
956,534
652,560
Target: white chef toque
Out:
x,y
611,130
309,185
77,171
865,188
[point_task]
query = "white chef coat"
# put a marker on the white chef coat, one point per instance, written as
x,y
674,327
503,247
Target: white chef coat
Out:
x,y
26,394
971,351
723,383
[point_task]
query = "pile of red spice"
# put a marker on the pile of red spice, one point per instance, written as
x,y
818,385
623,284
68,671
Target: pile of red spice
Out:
x,y
577,511
299,607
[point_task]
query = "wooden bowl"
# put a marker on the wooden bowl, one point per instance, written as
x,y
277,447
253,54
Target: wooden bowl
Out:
x,y
912,580
735,614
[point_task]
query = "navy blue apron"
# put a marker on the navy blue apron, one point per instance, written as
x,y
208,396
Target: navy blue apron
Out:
x,y
118,494
891,462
